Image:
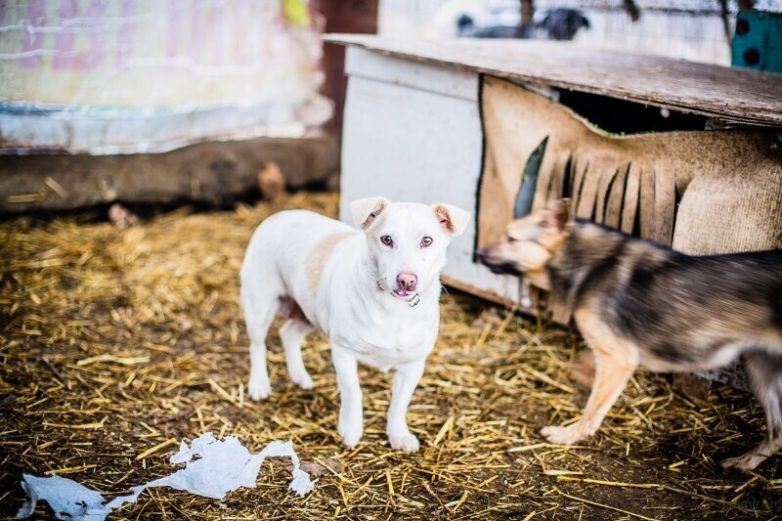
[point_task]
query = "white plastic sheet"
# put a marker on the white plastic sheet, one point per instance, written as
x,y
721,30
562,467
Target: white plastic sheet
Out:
x,y
213,468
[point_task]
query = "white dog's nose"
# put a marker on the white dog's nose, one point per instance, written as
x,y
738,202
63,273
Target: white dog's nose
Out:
x,y
406,281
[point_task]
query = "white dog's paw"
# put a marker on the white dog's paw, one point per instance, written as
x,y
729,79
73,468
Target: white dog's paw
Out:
x,y
259,387
303,380
563,435
406,442
351,435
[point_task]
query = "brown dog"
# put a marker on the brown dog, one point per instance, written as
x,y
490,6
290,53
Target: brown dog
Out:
x,y
637,303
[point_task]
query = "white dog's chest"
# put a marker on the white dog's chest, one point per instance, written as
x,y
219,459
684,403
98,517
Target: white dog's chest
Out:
x,y
384,342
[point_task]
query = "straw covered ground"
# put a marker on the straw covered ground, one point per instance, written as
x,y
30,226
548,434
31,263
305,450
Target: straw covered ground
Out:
x,y
115,344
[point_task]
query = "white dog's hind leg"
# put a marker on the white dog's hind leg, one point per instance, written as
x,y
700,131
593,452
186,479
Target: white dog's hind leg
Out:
x,y
259,310
259,387
292,333
406,379
351,410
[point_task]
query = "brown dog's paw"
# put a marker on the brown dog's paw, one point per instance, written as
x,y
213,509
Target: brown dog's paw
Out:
x,y
745,462
559,435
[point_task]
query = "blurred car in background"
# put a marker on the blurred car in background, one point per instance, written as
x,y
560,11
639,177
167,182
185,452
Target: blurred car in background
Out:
x,y
502,19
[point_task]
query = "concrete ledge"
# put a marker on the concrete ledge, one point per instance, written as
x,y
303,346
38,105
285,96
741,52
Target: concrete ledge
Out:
x,y
211,172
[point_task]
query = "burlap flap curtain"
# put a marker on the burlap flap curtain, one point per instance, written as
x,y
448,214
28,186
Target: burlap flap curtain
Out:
x,y
700,192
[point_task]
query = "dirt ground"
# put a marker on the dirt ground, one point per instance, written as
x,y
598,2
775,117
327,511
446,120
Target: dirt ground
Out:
x,y
113,342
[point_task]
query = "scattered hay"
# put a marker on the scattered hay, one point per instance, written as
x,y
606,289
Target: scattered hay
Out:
x,y
116,343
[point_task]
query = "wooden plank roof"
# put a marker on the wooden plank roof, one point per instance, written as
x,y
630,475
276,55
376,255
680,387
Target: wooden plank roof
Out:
x,y
739,96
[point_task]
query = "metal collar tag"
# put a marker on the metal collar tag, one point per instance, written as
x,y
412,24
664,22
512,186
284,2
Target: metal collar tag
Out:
x,y
412,302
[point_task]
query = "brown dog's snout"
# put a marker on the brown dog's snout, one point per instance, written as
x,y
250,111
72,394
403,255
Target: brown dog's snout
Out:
x,y
498,265
485,255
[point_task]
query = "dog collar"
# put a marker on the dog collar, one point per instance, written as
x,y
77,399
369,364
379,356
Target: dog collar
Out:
x,y
412,301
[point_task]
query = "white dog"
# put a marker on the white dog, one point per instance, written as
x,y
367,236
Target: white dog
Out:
x,y
375,294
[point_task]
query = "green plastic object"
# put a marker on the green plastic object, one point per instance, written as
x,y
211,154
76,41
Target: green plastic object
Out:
x,y
757,41
529,181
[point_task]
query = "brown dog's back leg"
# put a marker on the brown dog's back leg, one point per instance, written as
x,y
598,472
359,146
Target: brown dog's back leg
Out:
x,y
615,362
765,374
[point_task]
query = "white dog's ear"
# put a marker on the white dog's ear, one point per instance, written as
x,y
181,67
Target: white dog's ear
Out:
x,y
453,220
366,211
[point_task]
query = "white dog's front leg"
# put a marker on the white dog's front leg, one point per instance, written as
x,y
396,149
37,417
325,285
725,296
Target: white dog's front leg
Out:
x,y
351,412
406,379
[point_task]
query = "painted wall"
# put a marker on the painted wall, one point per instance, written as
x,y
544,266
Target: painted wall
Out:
x,y
197,69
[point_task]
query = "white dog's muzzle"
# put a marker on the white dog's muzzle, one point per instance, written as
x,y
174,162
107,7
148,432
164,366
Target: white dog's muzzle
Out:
x,y
412,301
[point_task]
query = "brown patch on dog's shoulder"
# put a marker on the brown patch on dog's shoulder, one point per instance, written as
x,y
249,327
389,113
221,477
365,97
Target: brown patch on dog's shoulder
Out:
x,y
318,256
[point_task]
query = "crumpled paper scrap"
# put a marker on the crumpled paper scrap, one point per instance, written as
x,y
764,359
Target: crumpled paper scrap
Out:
x,y
213,468
68,499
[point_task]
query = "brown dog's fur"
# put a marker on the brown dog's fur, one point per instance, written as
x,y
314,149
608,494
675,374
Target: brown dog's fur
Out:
x,y
637,303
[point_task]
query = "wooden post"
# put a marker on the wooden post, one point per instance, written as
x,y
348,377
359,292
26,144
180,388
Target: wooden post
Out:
x,y
632,10
527,12
342,16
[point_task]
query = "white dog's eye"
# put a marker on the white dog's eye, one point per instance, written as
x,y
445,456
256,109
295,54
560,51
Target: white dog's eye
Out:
x,y
426,242
387,240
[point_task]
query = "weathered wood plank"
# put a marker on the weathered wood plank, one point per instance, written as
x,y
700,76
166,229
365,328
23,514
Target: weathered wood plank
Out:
x,y
211,172
733,95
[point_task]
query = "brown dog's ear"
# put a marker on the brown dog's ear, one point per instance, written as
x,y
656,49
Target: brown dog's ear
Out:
x,y
453,220
366,211
558,214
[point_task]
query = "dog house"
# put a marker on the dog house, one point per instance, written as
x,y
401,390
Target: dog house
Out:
x,y
685,154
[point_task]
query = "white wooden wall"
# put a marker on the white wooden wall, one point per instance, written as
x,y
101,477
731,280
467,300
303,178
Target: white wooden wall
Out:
x,y
412,132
